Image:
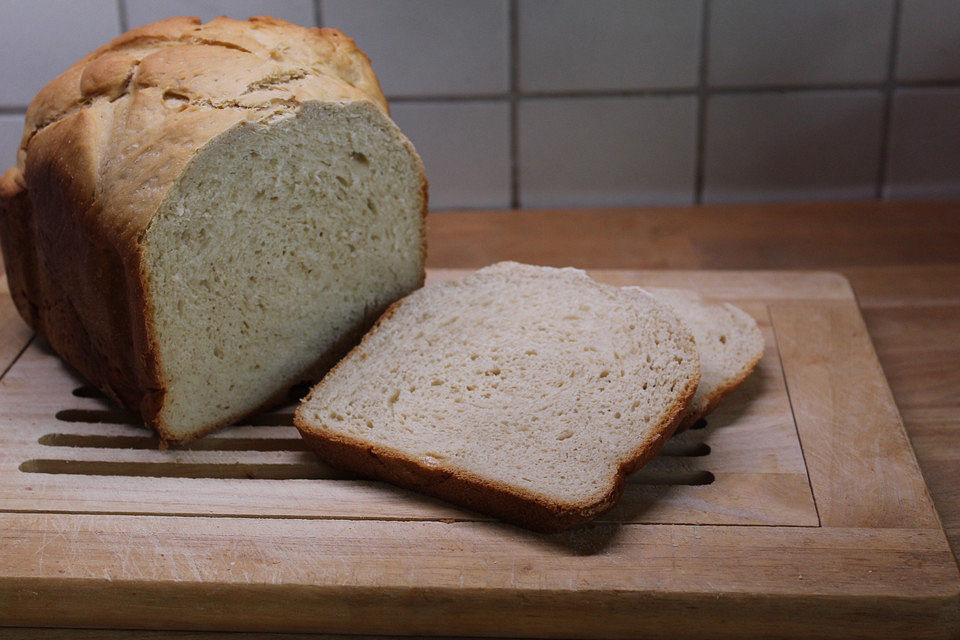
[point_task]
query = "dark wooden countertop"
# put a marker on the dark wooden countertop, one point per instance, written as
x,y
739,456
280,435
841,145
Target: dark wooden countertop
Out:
x,y
902,258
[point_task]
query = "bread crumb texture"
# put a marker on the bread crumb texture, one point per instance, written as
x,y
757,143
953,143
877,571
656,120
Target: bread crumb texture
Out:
x,y
538,382
728,339
236,191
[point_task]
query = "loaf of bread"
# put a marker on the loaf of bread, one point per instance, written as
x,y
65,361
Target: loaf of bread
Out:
x,y
528,393
202,215
728,340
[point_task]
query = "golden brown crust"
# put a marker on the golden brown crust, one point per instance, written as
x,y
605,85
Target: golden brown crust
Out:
x,y
176,54
512,504
714,399
102,145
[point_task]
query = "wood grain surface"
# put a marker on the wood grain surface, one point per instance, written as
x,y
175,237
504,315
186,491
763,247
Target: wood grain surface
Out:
x,y
904,264
98,526
902,259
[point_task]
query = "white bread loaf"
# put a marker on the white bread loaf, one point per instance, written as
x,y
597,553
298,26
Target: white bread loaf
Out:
x,y
529,393
202,215
729,342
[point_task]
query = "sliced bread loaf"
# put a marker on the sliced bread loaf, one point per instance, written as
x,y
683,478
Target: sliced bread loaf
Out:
x,y
729,341
203,214
529,393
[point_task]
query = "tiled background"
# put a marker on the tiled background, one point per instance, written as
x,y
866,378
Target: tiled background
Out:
x,y
580,102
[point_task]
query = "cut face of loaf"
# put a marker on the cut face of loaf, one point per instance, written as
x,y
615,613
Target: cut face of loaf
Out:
x,y
279,244
203,214
529,393
729,342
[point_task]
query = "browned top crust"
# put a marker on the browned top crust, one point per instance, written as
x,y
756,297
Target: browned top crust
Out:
x,y
224,63
158,75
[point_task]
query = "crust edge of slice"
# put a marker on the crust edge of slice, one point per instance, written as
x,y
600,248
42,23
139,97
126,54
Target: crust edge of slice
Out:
x,y
463,488
724,390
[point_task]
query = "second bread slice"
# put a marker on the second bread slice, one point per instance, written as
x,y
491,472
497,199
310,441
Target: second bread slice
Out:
x,y
528,393
729,342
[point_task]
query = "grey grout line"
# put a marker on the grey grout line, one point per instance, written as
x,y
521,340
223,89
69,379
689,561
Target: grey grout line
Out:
x,y
635,93
13,111
927,84
794,88
514,55
702,99
888,88
610,93
666,93
122,16
449,97
317,13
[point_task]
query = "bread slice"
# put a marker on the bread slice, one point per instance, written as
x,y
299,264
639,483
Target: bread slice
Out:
x,y
203,214
729,342
529,393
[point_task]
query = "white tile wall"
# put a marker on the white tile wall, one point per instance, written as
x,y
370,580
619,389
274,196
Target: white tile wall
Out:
x,y
792,146
925,144
929,47
39,39
465,149
11,130
601,102
607,151
571,45
140,12
786,42
422,47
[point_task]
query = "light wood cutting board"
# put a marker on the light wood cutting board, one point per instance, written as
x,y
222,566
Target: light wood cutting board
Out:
x,y
798,511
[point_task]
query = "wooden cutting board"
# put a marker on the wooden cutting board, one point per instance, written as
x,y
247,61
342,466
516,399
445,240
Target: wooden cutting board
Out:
x,y
798,511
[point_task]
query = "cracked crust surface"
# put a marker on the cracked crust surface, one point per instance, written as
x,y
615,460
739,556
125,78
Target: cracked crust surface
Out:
x,y
256,64
102,146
